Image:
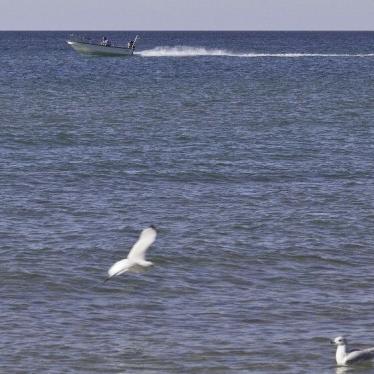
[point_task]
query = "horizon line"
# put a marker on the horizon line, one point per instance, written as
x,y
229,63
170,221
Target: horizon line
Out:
x,y
180,30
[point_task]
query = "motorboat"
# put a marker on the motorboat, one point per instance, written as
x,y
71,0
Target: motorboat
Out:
x,y
104,48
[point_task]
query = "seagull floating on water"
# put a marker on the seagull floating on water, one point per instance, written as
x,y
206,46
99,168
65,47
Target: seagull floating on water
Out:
x,y
136,256
345,357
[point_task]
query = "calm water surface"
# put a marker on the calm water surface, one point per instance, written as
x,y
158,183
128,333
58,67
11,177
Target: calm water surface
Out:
x,y
253,155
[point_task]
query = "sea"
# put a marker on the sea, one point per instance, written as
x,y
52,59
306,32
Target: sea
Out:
x,y
252,153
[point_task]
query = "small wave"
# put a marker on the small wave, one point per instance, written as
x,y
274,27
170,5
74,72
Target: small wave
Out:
x,y
185,51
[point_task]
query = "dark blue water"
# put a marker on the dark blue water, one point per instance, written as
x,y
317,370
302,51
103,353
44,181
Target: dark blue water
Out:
x,y
251,152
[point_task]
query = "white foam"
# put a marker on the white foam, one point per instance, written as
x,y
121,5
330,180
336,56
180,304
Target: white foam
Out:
x,y
185,51
181,51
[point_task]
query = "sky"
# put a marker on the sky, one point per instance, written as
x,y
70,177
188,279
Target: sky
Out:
x,y
186,15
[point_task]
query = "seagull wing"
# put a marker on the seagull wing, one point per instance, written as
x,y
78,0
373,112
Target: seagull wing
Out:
x,y
363,355
119,267
146,238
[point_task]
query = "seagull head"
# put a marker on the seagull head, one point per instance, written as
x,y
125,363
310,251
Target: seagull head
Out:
x,y
340,340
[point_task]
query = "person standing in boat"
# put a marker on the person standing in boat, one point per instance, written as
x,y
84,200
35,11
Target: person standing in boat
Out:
x,y
131,44
105,42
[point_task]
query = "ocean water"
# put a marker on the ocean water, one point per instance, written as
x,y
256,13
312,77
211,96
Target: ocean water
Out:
x,y
251,152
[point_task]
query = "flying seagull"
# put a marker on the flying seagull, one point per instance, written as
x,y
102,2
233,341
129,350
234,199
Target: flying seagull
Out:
x,y
345,357
136,256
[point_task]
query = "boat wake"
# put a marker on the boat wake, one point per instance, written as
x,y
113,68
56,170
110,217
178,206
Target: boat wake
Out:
x,y
185,51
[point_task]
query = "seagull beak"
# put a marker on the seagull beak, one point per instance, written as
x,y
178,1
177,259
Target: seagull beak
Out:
x,y
332,342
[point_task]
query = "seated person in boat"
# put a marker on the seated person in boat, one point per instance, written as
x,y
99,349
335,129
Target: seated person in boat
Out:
x,y
105,42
